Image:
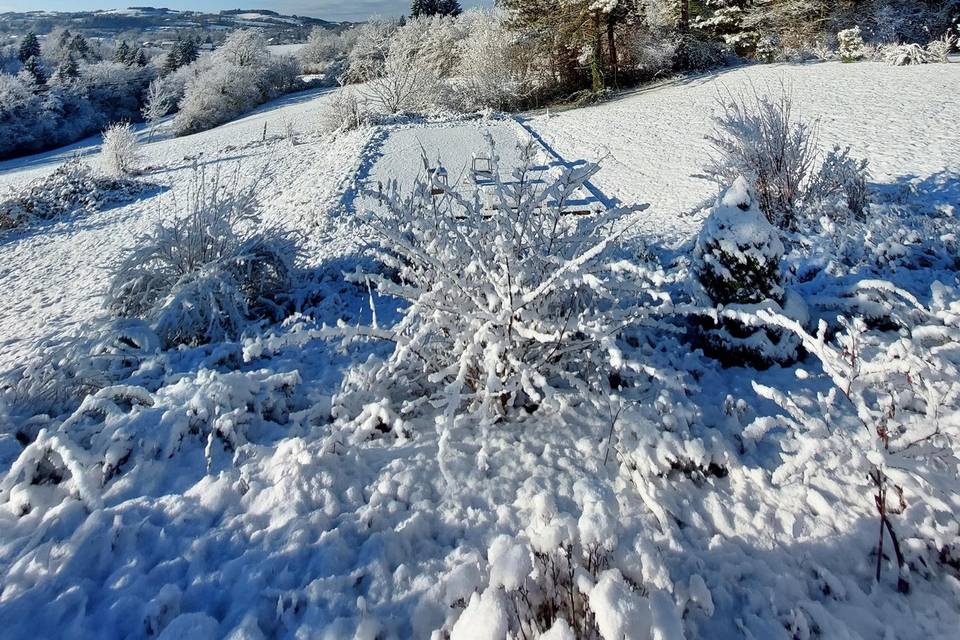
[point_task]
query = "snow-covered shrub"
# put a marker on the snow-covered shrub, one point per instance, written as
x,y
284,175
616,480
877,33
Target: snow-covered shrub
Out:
x,y
651,55
236,78
939,50
737,262
850,45
765,141
120,150
485,76
901,55
841,184
76,455
404,81
696,54
510,300
72,187
345,111
893,414
206,273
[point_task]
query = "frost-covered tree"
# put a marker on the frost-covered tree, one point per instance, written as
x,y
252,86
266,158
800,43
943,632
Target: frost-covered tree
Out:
x,y
122,53
120,152
160,100
29,48
403,80
723,20
33,69
240,75
486,75
369,54
67,71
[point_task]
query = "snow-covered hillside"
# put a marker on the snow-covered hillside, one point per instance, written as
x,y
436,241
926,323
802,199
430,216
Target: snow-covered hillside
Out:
x,y
252,493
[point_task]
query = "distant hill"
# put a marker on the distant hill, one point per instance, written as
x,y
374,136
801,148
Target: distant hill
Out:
x,y
106,23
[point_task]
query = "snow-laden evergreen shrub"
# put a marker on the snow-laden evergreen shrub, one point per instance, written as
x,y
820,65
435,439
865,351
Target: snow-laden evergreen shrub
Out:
x,y
207,271
120,150
850,45
737,262
72,187
510,299
764,140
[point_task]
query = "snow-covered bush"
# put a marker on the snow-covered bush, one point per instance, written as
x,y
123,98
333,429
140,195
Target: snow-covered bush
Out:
x,y
345,111
841,185
33,119
206,273
404,81
120,150
901,55
72,187
486,76
510,300
737,262
939,50
850,45
651,55
893,414
240,75
765,141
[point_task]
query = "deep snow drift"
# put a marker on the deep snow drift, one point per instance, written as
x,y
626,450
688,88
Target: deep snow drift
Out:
x,y
242,489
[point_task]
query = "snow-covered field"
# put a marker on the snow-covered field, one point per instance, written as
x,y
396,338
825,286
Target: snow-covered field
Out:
x,y
309,528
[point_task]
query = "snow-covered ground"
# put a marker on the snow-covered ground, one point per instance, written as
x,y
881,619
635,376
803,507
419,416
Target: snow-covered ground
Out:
x,y
307,529
653,141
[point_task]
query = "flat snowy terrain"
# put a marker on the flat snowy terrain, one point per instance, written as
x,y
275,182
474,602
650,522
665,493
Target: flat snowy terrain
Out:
x,y
303,528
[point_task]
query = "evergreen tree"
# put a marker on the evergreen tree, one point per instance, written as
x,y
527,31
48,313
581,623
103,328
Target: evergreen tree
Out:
x,y
67,71
29,48
189,51
79,48
138,58
421,8
448,8
122,54
35,69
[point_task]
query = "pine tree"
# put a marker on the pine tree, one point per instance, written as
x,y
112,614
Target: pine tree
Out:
x,y
188,51
29,48
35,69
122,54
448,8
79,48
139,58
423,8
66,71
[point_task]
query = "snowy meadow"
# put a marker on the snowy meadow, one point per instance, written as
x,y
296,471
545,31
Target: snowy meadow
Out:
x,y
683,363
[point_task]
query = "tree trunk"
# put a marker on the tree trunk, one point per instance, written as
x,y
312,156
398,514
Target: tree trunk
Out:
x,y
684,25
612,46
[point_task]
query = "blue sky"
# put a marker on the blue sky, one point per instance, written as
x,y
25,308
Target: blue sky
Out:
x,y
327,9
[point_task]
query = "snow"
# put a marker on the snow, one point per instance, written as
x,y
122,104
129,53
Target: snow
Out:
x,y
654,139
243,507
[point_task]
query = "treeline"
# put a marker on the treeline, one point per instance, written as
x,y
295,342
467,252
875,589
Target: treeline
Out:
x,y
527,53
66,88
